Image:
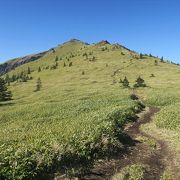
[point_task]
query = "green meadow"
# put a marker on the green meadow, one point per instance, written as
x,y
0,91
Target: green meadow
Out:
x,y
81,110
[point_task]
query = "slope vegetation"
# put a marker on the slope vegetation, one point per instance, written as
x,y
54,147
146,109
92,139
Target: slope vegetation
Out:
x,y
81,110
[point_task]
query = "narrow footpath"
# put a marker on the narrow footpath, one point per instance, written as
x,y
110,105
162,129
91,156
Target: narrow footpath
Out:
x,y
140,152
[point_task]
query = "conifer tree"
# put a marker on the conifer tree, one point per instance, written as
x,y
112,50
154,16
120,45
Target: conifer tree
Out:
x,y
29,70
155,62
5,95
162,59
14,78
120,81
39,69
38,85
85,55
125,82
56,59
53,50
7,79
152,75
139,83
70,64
24,78
141,56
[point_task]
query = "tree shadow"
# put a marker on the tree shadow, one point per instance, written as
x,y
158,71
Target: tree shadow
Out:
x,y
6,104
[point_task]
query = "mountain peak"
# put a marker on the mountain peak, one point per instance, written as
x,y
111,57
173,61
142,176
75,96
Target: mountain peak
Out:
x,y
75,41
103,42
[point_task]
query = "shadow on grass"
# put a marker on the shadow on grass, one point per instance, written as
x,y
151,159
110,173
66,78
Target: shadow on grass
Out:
x,y
68,167
73,166
6,104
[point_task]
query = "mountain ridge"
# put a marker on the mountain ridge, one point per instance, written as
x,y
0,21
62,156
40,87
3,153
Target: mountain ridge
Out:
x,y
16,62
13,63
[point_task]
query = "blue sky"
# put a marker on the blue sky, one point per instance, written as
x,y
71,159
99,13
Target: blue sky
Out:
x,y
147,26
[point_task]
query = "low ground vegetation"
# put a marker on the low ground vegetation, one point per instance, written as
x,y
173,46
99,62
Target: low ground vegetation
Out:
x,y
75,118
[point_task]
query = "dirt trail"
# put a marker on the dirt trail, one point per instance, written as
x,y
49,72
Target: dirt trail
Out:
x,y
139,153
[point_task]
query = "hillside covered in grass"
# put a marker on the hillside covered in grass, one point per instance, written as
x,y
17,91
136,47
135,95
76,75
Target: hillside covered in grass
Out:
x,y
81,108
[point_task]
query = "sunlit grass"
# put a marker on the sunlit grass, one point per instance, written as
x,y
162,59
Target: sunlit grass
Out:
x,y
73,112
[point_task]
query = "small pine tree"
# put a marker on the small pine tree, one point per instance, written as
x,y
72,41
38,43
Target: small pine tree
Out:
x,y
139,83
39,69
38,84
103,49
162,59
14,78
155,62
29,70
47,67
53,50
141,56
7,79
56,59
152,75
85,55
125,82
5,95
24,78
93,58
70,64
21,75
27,78
64,64
53,67
83,73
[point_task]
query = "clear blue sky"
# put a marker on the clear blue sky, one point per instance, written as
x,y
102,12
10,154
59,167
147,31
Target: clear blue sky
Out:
x,y
147,26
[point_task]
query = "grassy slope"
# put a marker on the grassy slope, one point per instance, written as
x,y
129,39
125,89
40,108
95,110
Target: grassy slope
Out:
x,y
73,112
